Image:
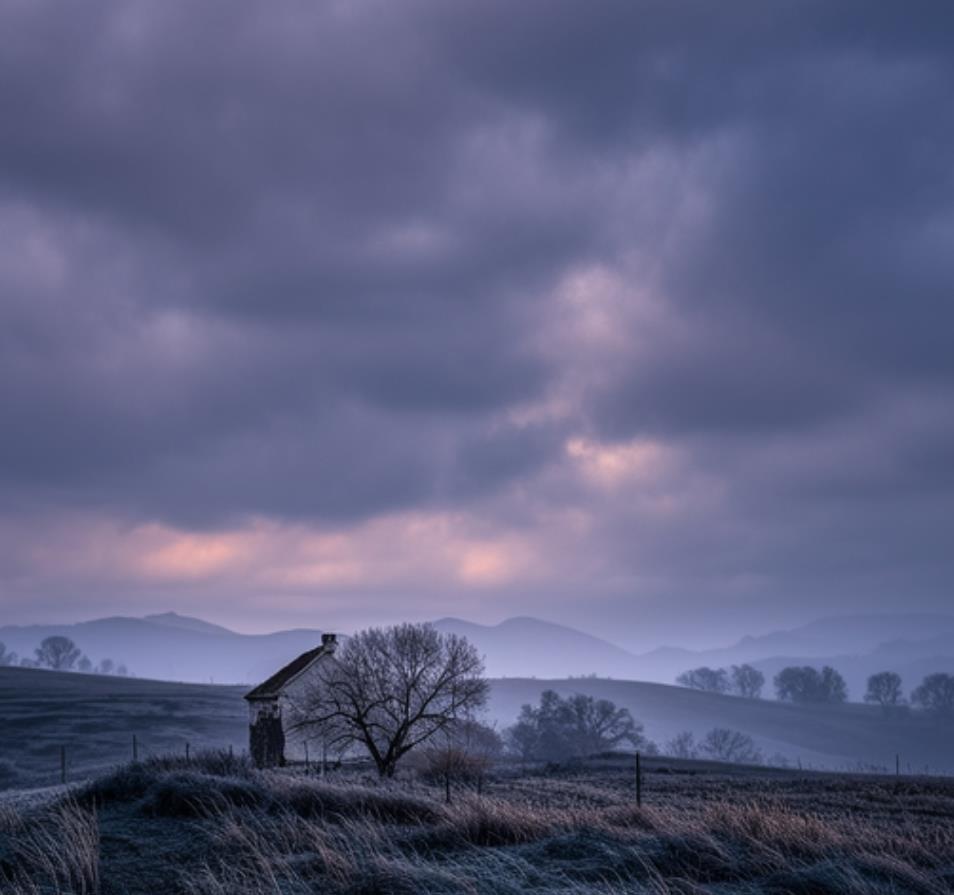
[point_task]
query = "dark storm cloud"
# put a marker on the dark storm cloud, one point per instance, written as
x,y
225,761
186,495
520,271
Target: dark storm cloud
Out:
x,y
303,261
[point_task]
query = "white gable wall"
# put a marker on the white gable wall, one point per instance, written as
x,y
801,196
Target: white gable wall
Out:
x,y
293,695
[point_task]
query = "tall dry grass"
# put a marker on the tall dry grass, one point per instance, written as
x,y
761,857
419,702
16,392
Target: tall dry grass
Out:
x,y
56,851
277,833
491,845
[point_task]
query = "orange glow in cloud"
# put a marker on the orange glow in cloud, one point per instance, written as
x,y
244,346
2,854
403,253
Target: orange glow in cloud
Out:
x,y
407,549
189,557
611,465
485,564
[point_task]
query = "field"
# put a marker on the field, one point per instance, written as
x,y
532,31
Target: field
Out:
x,y
95,719
213,826
210,825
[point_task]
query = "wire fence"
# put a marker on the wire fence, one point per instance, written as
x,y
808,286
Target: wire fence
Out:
x,y
76,764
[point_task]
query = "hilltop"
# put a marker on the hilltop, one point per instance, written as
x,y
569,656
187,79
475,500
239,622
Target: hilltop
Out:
x,y
96,717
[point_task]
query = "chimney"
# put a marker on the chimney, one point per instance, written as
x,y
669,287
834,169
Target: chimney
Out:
x,y
329,642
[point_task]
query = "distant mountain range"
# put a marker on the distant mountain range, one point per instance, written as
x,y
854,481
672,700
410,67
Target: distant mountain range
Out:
x,y
173,647
176,647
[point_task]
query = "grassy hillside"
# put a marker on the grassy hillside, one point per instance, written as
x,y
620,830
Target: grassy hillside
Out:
x,y
829,736
213,826
96,717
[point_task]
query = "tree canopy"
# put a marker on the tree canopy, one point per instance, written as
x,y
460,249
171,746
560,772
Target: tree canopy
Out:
x,y
574,726
936,694
392,689
806,684
58,653
884,688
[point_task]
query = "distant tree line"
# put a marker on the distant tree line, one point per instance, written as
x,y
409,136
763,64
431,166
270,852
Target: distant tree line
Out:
x,y
740,680
804,684
61,654
935,694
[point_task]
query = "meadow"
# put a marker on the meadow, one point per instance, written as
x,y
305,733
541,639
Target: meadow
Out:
x,y
94,719
212,825
209,824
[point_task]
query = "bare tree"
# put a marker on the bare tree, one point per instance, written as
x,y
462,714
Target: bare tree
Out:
x,y
58,653
682,745
105,666
724,744
596,725
392,689
747,681
7,657
84,665
712,680
884,688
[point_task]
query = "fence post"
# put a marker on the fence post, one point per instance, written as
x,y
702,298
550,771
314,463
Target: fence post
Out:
x,y
639,783
62,764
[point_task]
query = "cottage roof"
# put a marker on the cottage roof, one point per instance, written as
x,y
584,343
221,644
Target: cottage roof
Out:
x,y
273,687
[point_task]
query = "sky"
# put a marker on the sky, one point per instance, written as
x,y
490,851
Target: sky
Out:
x,y
635,316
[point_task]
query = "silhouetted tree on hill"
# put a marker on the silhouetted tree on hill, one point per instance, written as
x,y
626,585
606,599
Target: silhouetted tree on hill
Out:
x,y
106,666
936,695
806,685
747,681
58,653
7,657
560,728
884,688
712,680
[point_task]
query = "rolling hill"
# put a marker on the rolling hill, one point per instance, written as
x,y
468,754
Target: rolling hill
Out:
x,y
95,718
173,647
176,647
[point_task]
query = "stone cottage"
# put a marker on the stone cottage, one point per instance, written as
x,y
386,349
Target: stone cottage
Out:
x,y
271,740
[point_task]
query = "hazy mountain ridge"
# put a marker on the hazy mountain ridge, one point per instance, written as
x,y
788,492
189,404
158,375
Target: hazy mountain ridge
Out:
x,y
169,646
528,646
186,649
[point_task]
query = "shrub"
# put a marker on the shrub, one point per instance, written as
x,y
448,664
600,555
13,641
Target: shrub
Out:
x,y
190,794
724,744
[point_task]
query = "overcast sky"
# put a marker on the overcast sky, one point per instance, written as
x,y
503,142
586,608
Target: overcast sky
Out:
x,y
634,316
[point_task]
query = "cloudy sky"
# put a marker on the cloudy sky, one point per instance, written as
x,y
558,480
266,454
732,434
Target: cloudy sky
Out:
x,y
635,316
